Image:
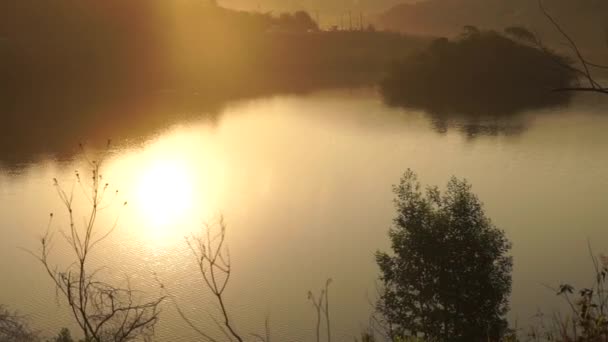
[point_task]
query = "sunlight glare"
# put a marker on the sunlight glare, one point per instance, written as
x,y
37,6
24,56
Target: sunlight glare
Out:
x,y
165,193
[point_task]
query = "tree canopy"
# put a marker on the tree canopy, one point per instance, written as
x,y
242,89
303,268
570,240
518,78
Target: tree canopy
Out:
x,y
480,73
449,276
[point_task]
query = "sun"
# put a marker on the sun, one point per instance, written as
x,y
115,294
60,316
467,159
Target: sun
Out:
x,y
165,193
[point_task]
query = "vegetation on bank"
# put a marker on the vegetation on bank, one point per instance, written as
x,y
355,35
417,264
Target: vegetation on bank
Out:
x,y
14,328
448,277
482,72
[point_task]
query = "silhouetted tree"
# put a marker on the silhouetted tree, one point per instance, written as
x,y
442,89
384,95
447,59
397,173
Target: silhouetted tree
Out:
x,y
103,311
522,34
300,21
470,30
449,276
304,21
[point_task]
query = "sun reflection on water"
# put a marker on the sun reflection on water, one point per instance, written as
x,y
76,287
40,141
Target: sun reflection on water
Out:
x,y
172,184
165,193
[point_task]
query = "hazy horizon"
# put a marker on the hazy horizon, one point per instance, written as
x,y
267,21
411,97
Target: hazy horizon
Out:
x,y
325,8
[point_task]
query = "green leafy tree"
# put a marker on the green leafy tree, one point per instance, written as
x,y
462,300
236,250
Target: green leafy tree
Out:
x,y
449,276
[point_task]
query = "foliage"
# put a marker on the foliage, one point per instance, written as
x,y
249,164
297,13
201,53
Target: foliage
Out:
x,y
13,328
299,21
482,72
522,34
366,336
449,277
103,311
587,318
63,336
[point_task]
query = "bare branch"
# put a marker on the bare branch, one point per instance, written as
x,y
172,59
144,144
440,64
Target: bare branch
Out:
x,y
327,320
583,89
104,312
213,262
594,86
317,303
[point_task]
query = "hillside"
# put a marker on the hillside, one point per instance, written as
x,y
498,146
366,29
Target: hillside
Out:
x,y
135,64
330,6
153,44
329,11
584,19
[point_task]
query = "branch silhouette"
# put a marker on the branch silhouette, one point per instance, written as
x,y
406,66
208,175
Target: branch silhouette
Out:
x,y
213,261
585,69
103,311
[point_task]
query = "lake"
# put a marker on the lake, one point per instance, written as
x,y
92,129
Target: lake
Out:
x,y
304,184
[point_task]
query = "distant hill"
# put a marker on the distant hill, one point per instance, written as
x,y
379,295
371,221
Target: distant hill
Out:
x,y
143,44
584,19
334,6
329,11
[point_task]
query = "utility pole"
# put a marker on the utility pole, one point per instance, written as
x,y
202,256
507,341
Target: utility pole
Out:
x,y
350,17
361,21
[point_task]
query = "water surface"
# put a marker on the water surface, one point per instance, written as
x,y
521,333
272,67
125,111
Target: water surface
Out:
x,y
304,183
